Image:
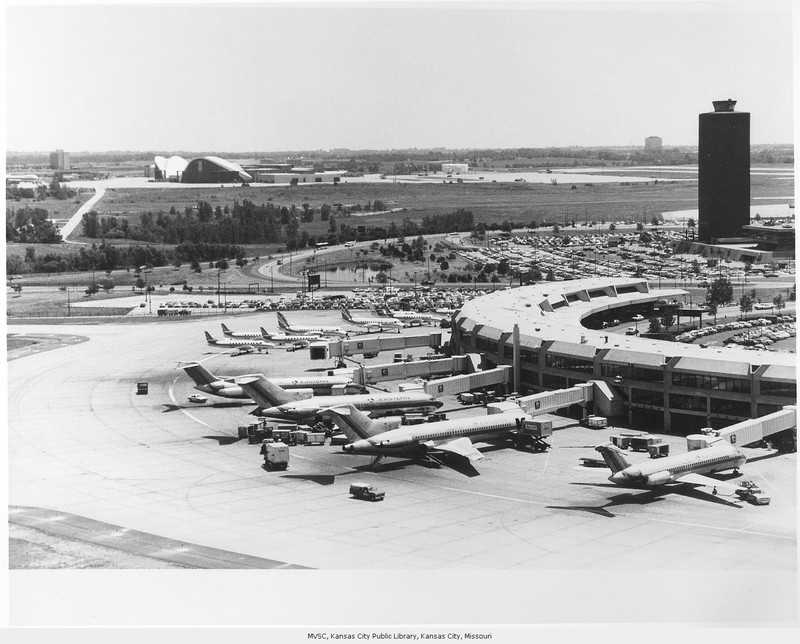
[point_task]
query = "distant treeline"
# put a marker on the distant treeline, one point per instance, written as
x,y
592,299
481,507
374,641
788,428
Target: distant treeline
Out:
x,y
370,160
108,257
248,223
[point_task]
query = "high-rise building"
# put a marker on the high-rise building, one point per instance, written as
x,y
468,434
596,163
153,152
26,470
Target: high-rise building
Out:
x,y
652,144
723,172
59,160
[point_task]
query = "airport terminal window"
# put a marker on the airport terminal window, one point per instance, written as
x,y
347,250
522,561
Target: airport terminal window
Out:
x,y
694,403
569,363
493,346
730,407
481,343
614,370
646,375
553,382
699,381
508,351
763,410
784,389
528,356
647,397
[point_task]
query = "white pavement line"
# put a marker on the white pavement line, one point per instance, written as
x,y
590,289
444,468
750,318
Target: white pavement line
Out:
x,y
175,402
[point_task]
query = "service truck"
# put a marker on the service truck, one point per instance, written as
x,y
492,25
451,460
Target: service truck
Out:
x,y
276,456
366,492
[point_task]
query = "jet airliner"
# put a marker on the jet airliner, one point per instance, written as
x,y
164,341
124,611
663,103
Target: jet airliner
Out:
x,y
683,468
226,387
233,343
376,323
277,403
305,328
387,437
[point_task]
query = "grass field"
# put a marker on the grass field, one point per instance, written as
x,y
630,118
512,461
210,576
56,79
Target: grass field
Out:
x,y
489,202
58,208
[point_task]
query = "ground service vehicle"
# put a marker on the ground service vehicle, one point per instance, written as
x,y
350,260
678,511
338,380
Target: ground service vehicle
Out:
x,y
595,422
276,456
197,398
366,492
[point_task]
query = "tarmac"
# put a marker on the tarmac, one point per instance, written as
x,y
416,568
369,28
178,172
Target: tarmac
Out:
x,y
82,443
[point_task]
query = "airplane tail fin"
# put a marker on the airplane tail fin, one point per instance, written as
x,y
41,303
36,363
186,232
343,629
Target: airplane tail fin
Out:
x,y
354,423
264,392
226,330
199,374
282,323
346,314
613,457
209,339
264,333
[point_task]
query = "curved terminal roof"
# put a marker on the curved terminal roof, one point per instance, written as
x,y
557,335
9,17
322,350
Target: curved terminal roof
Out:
x,y
553,311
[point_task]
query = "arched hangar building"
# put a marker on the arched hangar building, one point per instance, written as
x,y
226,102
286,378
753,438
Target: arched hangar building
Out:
x,y
669,386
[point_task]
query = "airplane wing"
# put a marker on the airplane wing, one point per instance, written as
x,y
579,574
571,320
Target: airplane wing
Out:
x,y
699,479
462,447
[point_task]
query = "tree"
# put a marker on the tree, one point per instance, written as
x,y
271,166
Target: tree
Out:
x,y
556,229
690,225
668,320
221,264
745,305
612,227
177,264
655,325
139,283
92,289
381,278
550,275
639,226
655,221
720,292
779,302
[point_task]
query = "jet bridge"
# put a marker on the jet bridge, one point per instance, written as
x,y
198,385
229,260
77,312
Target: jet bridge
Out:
x,y
364,344
748,431
550,401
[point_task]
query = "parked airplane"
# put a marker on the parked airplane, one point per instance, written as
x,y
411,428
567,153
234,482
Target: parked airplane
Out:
x,y
683,468
413,315
274,401
286,337
379,324
388,438
226,387
234,343
239,334
304,328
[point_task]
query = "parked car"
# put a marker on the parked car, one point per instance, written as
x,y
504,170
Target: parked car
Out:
x,y
197,398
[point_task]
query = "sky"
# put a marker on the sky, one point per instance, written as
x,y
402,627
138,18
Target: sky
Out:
x,y
390,75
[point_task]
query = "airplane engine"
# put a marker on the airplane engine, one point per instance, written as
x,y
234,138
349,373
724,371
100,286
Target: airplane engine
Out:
x,y
659,478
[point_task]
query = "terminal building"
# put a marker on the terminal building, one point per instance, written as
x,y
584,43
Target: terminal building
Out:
x,y
544,332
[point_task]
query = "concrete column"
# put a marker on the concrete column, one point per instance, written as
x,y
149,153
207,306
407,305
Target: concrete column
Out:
x,y
517,359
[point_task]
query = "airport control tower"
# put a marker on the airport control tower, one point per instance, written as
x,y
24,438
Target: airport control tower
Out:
x,y
724,172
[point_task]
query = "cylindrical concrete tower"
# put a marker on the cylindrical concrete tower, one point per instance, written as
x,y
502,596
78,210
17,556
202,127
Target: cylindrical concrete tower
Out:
x,y
724,172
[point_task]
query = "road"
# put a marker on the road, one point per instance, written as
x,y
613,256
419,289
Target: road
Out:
x,y
73,222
